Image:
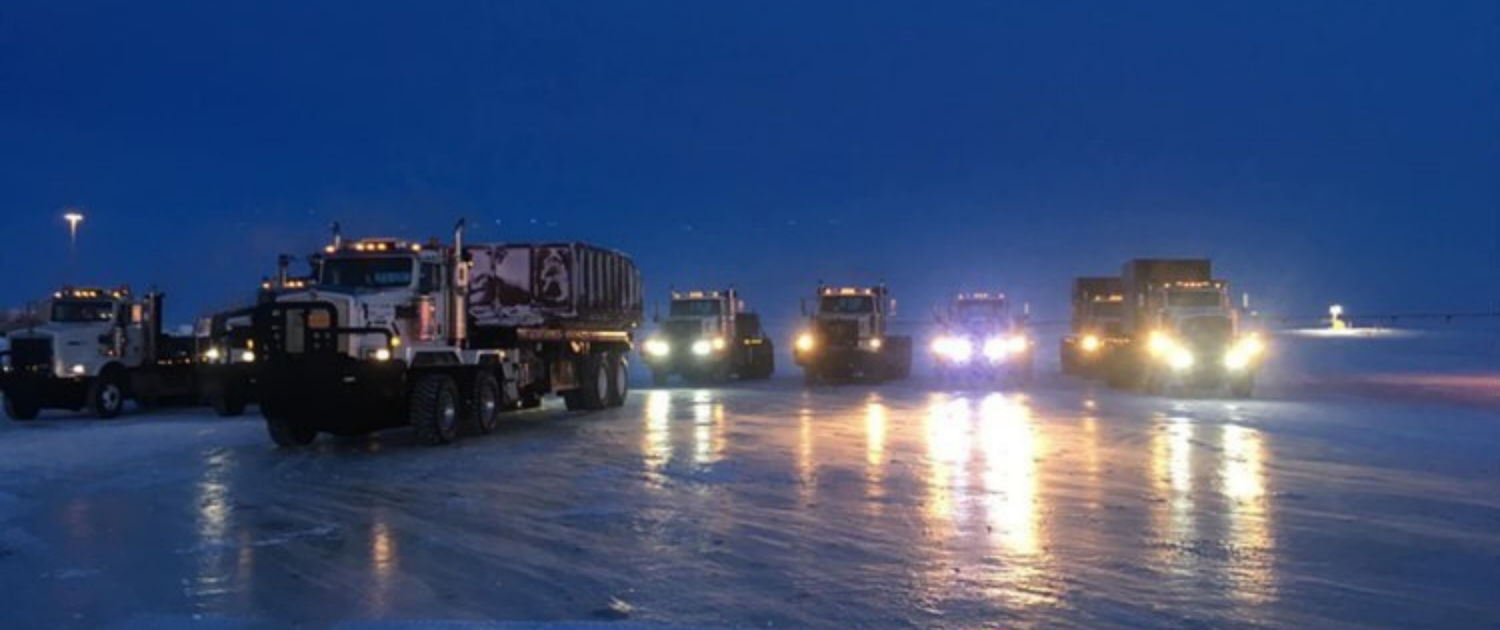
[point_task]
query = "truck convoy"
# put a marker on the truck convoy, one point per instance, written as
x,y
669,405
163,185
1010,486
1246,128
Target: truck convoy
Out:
x,y
443,338
96,349
1182,330
226,348
709,336
979,339
848,336
1098,328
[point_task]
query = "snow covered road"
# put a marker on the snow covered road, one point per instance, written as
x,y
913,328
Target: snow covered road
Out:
x,y
767,505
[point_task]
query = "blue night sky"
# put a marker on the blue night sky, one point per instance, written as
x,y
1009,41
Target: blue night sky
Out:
x,y
1318,151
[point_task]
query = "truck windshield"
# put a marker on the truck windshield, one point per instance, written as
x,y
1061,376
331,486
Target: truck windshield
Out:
x,y
1195,299
367,273
82,312
1108,310
695,308
979,309
846,305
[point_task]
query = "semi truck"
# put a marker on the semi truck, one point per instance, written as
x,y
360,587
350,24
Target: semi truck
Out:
x,y
847,336
226,347
978,338
1183,330
95,349
1097,331
444,337
709,336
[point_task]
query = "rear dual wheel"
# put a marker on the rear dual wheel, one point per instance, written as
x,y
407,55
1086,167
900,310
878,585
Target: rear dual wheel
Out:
x,y
434,409
603,381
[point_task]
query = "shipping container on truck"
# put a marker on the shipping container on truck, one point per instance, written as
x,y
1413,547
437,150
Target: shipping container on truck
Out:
x,y
443,338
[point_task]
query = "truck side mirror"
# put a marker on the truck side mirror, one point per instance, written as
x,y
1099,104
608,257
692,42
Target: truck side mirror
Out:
x,y
892,311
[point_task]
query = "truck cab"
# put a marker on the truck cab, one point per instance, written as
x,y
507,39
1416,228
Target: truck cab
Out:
x,y
1194,339
978,338
1097,329
847,336
708,336
95,349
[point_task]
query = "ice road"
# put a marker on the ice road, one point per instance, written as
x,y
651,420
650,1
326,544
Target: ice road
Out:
x,y
903,506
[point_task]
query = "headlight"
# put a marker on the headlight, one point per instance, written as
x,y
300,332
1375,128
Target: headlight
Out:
x,y
1090,343
876,343
805,342
247,356
1243,353
955,349
996,348
702,347
1180,359
79,369
658,348
1160,343
382,354
719,343
1016,344
212,354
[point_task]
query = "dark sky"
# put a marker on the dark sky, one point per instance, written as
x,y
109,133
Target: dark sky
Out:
x,y
1318,151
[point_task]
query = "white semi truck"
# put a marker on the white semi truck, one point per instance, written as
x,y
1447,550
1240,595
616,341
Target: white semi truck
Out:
x,y
95,349
848,336
443,338
709,336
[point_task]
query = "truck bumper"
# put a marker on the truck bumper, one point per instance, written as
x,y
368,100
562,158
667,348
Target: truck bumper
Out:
x,y
334,394
46,391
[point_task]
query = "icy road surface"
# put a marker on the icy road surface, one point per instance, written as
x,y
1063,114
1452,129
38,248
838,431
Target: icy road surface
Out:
x,y
1064,506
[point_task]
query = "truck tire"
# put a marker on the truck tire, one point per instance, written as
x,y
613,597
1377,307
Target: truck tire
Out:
x,y
21,407
593,384
619,379
106,397
286,432
434,410
484,405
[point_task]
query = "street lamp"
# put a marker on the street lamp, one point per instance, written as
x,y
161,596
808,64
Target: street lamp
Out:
x,y
73,219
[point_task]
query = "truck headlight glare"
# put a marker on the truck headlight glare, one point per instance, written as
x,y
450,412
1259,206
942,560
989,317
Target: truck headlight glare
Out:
x,y
806,342
702,347
1180,359
79,369
876,343
955,349
658,348
383,354
1090,343
212,354
719,343
996,349
1236,361
1159,343
247,356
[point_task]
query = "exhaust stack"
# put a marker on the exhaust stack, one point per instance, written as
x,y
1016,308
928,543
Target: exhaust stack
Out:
x,y
458,290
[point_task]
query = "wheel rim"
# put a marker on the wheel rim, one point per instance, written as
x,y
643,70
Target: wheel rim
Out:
x,y
488,403
447,411
109,397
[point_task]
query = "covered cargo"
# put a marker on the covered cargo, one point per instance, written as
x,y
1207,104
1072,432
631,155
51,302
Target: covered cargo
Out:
x,y
567,285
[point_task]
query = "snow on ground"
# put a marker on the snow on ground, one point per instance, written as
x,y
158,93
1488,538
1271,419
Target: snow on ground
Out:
x,y
767,505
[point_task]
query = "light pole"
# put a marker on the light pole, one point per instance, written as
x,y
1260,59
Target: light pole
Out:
x,y
73,219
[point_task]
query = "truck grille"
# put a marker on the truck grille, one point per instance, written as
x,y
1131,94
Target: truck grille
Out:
x,y
30,354
682,329
839,333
